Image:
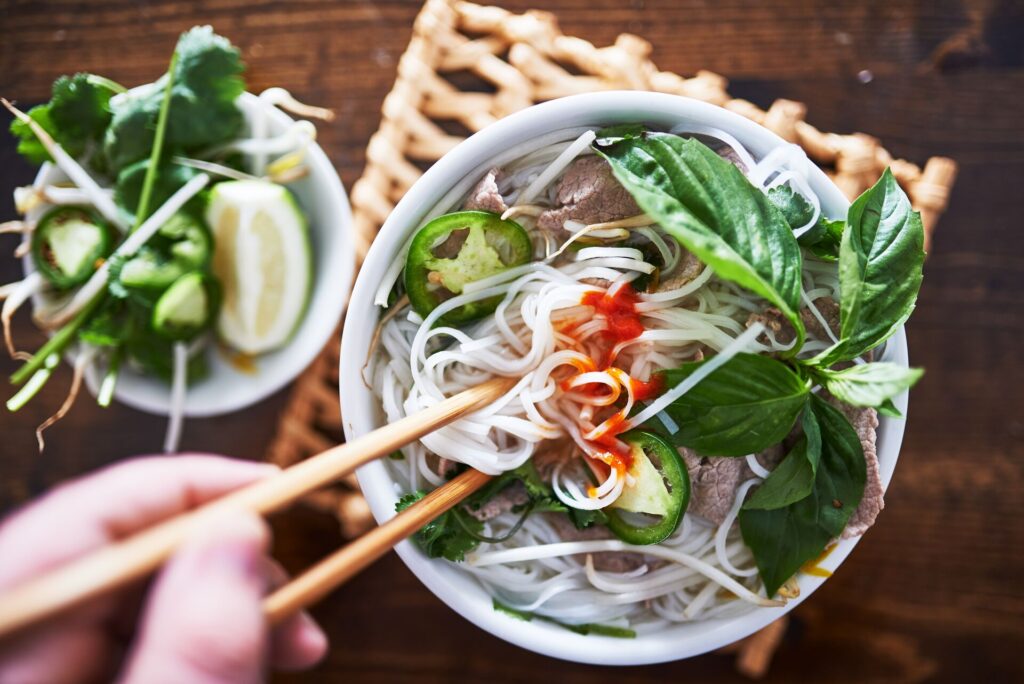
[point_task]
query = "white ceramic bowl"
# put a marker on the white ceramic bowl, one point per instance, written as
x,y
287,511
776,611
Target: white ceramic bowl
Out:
x,y
227,388
362,410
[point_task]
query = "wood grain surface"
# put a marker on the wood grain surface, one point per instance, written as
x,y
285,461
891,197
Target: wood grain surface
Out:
x,y
933,593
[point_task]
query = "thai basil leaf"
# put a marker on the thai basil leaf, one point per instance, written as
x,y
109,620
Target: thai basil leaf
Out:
x,y
825,239
880,264
887,408
715,212
869,384
747,405
793,479
614,134
783,539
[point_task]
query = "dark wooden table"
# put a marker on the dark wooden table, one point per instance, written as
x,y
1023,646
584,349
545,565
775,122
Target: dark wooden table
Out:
x,y
934,592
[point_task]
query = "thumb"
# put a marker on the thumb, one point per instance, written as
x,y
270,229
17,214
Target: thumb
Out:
x,y
203,620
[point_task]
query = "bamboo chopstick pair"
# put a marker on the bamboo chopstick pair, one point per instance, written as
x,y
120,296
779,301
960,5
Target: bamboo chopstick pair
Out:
x,y
122,562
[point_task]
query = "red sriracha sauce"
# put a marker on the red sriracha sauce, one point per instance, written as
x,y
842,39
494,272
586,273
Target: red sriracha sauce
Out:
x,y
644,391
619,310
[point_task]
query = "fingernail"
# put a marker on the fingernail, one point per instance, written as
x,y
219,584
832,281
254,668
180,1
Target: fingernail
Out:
x,y
312,634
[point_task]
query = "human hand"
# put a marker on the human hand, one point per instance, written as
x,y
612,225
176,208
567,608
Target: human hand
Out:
x,y
202,619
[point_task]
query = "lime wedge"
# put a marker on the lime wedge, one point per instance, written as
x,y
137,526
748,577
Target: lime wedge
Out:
x,y
262,258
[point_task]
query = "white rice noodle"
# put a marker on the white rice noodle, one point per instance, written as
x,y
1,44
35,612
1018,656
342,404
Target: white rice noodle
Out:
x,y
756,467
718,134
658,405
556,167
524,554
571,382
722,533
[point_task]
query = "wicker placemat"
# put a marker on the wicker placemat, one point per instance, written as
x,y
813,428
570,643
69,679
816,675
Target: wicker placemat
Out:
x,y
469,65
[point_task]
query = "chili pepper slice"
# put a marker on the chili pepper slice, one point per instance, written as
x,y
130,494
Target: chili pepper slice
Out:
x,y
650,509
460,248
186,308
68,244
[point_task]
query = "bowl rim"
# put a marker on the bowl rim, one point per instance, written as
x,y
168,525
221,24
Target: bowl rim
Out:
x,y
322,322
455,586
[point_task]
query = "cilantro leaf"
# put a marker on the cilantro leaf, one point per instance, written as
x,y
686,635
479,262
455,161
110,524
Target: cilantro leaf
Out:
x,y
28,145
444,537
207,80
76,115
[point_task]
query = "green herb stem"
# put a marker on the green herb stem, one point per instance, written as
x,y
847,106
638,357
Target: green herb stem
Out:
x,y
107,83
158,142
58,343
35,383
106,392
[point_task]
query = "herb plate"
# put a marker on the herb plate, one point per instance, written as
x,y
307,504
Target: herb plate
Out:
x,y
235,383
453,174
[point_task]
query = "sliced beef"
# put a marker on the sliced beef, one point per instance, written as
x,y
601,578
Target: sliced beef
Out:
x,y
773,319
829,310
688,268
865,422
617,561
725,152
589,193
713,483
502,502
485,196
551,456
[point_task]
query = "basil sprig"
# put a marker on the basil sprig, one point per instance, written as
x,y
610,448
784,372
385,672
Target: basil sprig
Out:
x,y
869,384
752,402
710,207
880,270
784,537
748,404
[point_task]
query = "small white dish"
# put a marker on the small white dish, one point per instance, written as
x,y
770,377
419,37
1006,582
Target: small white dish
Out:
x,y
229,387
464,164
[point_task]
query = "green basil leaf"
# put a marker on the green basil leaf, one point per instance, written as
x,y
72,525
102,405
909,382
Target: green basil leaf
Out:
x,y
614,134
793,479
880,264
870,384
783,539
715,212
887,408
747,405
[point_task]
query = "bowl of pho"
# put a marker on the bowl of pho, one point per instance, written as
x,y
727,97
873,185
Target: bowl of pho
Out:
x,y
710,363
187,244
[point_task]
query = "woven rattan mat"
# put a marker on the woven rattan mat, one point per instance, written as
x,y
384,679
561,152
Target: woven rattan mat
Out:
x,y
469,65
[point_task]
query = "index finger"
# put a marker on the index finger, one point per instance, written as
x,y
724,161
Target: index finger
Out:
x,y
111,504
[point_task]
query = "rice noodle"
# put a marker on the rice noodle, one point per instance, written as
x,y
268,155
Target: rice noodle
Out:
x,y
575,387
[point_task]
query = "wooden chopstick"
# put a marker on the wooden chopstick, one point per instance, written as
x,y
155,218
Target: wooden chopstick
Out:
x,y
125,561
342,565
